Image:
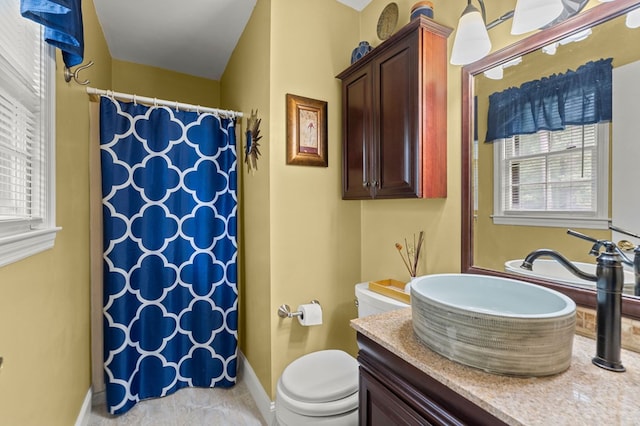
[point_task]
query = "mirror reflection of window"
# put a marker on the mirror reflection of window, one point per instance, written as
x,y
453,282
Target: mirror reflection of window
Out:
x,y
550,160
550,174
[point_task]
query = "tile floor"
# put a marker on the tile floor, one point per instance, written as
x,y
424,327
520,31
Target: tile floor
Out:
x,y
186,407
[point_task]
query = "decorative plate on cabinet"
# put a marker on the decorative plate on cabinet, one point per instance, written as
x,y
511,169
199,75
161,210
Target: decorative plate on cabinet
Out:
x,y
387,21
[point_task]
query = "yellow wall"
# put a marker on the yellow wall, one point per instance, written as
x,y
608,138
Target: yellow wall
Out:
x,y
245,87
385,222
44,307
300,240
315,238
159,83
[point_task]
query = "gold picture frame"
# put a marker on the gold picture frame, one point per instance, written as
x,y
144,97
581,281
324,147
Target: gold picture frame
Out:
x,y
306,131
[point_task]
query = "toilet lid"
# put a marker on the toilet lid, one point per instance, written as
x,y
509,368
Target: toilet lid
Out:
x,y
323,376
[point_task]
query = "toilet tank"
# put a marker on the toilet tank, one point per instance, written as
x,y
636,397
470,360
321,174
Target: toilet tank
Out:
x,y
370,302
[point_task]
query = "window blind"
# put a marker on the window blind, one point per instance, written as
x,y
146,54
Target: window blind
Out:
x,y
552,103
22,92
551,171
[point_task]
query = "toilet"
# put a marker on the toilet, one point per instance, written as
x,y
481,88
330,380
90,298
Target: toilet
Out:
x,y
321,388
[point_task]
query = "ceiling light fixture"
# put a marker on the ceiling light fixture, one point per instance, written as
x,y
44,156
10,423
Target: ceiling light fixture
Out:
x,y
472,38
582,35
633,19
530,15
496,73
472,41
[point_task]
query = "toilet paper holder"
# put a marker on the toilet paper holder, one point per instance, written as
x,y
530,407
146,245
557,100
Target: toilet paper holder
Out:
x,y
284,311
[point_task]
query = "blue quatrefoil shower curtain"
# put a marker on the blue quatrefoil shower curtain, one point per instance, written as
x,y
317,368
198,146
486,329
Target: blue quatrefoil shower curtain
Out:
x,y
170,249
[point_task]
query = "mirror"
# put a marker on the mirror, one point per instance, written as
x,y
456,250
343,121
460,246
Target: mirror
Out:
x,y
487,246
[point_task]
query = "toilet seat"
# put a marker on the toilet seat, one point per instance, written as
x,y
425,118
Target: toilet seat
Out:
x,y
319,384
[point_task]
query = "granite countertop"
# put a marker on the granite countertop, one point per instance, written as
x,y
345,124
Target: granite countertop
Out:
x,y
584,394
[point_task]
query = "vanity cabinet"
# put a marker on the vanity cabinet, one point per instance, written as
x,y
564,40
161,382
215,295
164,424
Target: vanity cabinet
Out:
x,y
394,109
393,391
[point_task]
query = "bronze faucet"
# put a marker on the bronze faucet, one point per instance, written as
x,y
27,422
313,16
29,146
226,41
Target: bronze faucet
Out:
x,y
609,279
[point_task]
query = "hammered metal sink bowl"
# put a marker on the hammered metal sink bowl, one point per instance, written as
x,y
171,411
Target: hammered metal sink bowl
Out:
x,y
500,325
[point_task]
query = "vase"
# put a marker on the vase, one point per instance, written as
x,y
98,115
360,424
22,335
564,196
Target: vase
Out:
x,y
407,287
422,8
363,48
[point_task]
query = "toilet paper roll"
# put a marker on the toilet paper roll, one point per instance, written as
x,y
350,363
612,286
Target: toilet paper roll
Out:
x,y
311,314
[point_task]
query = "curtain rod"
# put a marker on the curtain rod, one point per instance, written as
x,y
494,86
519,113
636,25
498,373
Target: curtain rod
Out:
x,y
155,101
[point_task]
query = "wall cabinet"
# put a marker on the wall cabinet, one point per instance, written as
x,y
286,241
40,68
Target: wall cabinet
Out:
x,y
394,392
394,109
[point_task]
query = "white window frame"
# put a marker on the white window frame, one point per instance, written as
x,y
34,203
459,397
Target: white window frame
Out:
x,y
20,238
598,220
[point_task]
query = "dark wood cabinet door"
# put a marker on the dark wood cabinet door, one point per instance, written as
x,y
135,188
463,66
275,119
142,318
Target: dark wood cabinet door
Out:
x,y
396,137
357,125
394,392
395,118
380,407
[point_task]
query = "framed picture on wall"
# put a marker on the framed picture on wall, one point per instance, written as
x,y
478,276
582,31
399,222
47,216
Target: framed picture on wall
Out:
x,y
306,131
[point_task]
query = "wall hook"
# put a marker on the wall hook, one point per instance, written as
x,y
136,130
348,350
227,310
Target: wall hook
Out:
x,y
68,74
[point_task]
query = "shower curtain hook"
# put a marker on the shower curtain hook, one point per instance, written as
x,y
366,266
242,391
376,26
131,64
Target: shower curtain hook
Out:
x,y
155,102
135,100
177,109
198,109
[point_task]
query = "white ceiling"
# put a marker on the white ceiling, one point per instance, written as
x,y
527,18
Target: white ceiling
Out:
x,y
194,37
356,4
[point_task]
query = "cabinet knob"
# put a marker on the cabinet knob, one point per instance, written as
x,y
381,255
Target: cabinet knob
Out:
x,y
365,184
376,184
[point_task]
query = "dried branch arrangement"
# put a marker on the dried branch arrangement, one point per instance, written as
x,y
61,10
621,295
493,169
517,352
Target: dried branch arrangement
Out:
x,y
410,254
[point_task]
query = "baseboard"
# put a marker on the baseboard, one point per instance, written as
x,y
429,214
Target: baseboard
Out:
x,y
99,397
85,411
266,407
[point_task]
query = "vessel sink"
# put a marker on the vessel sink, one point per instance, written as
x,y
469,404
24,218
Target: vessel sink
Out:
x,y
549,269
500,325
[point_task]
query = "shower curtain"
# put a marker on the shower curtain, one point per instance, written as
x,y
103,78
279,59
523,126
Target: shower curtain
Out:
x,y
170,250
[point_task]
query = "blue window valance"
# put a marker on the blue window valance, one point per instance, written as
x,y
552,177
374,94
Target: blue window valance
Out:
x,y
574,98
62,21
